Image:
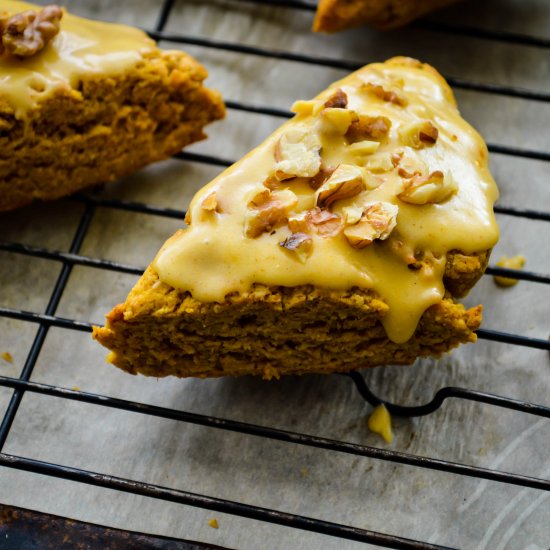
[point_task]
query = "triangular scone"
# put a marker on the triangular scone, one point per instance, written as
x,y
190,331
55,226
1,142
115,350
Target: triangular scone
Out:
x,y
339,243
338,15
84,102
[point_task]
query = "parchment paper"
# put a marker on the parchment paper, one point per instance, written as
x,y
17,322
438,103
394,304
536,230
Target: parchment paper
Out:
x,y
411,502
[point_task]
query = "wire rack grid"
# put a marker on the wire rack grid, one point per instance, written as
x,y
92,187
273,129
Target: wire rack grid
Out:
x,y
48,318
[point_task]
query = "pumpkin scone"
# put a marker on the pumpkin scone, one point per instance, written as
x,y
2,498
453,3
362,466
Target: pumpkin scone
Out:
x,y
341,242
84,102
338,15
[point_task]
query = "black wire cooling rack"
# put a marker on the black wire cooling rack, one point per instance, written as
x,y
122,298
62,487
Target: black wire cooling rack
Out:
x,y
71,258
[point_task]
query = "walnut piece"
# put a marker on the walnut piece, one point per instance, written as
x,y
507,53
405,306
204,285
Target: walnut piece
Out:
x,y
345,182
377,222
316,181
383,94
26,33
338,120
409,166
435,188
297,155
298,243
352,214
298,223
338,99
307,107
321,222
379,163
210,203
418,134
368,128
266,210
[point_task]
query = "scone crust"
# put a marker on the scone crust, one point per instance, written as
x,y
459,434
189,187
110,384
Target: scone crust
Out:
x,y
273,331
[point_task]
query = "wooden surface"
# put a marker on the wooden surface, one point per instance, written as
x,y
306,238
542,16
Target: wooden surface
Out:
x,y
27,530
411,502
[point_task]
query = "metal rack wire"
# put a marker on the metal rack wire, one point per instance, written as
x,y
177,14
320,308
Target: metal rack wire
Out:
x,y
49,318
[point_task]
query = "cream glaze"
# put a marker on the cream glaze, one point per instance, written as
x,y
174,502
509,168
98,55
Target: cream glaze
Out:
x,y
213,257
81,48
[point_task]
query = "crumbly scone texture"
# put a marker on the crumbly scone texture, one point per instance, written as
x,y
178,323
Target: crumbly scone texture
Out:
x,y
104,128
338,15
161,331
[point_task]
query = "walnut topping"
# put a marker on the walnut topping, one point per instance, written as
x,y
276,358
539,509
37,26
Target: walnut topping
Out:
x,y
26,33
368,128
210,203
297,155
316,181
323,222
338,119
396,158
298,223
435,188
272,183
419,134
409,166
379,163
268,209
338,99
345,182
306,107
384,95
377,222
352,214
298,243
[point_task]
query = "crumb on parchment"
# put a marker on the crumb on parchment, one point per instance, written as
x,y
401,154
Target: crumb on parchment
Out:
x,y
7,356
213,523
380,423
514,262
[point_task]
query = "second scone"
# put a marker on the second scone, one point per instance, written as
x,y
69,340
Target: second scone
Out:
x,y
90,103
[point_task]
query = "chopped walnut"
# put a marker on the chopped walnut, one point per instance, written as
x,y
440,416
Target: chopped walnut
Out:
x,y
419,134
272,183
352,214
210,203
26,33
266,210
307,107
435,188
368,128
379,163
316,181
396,158
410,166
298,243
297,155
323,222
345,182
338,99
377,222
385,95
298,223
338,119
